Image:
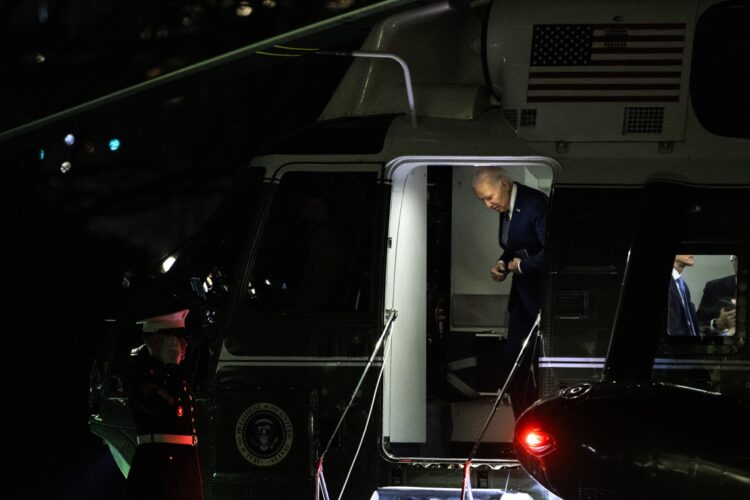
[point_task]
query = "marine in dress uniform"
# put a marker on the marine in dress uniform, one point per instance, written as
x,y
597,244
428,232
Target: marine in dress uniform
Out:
x,y
166,464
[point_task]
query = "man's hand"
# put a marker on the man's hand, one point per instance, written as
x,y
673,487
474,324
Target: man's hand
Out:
x,y
727,319
514,266
498,272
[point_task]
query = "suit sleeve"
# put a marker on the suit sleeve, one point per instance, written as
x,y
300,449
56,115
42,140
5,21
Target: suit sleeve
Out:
x,y
707,309
533,264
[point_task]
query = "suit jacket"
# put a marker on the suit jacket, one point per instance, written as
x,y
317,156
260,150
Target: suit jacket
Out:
x,y
677,324
714,294
526,235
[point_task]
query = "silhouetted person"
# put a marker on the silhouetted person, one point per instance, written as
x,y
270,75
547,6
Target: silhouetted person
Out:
x,y
166,465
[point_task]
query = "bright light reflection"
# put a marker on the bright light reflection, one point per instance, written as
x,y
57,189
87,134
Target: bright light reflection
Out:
x,y
535,438
537,441
244,9
167,264
70,139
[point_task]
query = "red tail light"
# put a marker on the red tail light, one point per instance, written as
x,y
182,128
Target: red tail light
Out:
x,y
537,441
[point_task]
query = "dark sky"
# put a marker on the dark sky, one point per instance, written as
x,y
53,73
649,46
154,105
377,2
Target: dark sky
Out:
x,y
81,241
66,52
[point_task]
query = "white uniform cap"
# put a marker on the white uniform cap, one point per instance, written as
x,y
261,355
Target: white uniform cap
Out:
x,y
169,321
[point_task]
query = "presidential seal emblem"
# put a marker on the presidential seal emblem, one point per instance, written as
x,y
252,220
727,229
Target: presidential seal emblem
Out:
x,y
264,434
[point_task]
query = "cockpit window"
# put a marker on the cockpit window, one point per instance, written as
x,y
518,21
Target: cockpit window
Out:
x,y
315,254
313,280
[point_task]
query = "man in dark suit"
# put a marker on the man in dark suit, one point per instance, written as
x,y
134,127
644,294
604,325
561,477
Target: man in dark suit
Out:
x,y
523,227
682,320
717,307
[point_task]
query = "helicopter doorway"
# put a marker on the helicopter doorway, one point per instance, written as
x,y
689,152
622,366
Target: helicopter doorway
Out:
x,y
442,374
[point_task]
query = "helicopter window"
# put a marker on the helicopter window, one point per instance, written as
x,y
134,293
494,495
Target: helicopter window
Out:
x,y
311,287
315,253
710,296
702,296
718,80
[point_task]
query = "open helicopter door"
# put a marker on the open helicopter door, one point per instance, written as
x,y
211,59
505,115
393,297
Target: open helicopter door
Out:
x,y
442,372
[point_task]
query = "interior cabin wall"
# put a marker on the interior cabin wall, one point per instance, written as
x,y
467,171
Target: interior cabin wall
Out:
x,y
477,302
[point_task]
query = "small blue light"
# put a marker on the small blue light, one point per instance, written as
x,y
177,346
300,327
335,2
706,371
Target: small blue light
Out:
x,y
114,144
41,154
70,139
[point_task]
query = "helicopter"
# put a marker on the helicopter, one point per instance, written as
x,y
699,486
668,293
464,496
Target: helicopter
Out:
x,y
340,303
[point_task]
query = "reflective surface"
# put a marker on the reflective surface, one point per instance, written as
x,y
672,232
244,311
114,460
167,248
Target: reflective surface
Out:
x,y
650,440
702,297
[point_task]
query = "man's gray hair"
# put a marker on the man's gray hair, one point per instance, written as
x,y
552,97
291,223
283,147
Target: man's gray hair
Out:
x,y
489,174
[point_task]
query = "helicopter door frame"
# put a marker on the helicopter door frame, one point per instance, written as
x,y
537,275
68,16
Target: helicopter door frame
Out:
x,y
404,404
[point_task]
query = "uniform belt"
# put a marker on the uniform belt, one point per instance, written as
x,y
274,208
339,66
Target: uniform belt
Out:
x,y
186,439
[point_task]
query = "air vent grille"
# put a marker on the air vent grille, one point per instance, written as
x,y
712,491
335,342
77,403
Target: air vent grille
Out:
x,y
511,115
528,118
643,120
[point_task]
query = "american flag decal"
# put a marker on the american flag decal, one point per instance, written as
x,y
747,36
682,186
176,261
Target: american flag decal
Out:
x,y
606,63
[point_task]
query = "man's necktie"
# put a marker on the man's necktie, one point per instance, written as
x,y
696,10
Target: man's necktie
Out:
x,y
506,226
686,306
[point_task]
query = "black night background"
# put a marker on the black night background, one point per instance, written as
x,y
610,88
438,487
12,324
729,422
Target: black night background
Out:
x,y
95,197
